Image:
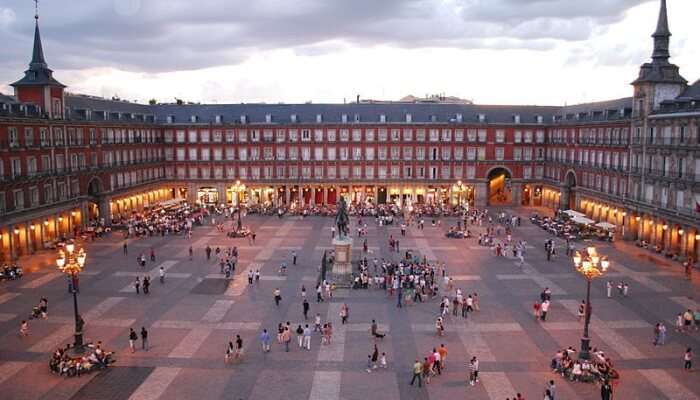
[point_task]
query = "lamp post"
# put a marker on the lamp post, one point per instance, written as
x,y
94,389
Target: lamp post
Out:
x,y
238,188
590,265
71,262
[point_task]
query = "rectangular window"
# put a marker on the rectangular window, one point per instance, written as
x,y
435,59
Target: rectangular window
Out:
x,y
500,136
482,135
499,153
481,154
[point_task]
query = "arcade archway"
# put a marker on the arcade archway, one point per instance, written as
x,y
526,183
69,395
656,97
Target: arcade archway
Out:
x,y
568,195
500,191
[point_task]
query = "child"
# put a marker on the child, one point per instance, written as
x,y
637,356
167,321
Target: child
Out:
x,y
369,363
24,328
382,361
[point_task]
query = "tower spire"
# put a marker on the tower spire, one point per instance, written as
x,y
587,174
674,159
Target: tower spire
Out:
x,y
662,36
38,51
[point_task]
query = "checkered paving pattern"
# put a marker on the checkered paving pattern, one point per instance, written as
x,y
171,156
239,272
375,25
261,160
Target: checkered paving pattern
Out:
x,y
196,312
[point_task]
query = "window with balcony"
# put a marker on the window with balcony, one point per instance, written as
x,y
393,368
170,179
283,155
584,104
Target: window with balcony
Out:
x,y
369,153
356,135
344,135
318,153
500,153
318,135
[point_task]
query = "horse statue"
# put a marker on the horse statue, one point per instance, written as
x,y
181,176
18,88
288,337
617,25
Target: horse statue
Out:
x,y
341,218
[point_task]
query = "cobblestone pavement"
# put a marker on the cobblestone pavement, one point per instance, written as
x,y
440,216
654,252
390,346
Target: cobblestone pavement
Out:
x,y
196,312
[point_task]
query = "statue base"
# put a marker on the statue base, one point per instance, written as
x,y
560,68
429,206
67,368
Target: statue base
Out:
x,y
341,274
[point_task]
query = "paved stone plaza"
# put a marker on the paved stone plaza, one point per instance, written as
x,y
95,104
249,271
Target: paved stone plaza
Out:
x,y
196,312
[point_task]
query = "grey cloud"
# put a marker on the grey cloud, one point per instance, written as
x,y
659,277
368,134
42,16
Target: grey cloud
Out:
x,y
168,35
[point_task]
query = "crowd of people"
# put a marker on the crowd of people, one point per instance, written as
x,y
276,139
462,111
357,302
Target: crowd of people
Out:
x,y
598,368
62,363
174,219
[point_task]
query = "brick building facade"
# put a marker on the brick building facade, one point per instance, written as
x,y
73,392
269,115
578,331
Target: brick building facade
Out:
x,y
66,159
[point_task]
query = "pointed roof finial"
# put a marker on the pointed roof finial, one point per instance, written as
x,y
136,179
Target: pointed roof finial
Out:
x,y
38,51
662,36
662,23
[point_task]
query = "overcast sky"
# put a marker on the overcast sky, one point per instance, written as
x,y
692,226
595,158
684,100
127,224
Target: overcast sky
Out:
x,y
546,52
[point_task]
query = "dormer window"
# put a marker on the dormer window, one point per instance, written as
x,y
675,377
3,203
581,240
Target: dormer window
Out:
x,y
268,118
293,118
458,117
357,118
409,118
382,118
433,118
516,118
539,119
319,118
170,119
244,119
218,119
344,118
481,117
193,119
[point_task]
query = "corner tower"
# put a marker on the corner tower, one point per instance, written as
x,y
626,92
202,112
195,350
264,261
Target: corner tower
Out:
x,y
38,85
658,80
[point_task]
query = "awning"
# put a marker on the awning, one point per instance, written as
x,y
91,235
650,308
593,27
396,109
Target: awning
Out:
x,y
582,220
605,225
572,213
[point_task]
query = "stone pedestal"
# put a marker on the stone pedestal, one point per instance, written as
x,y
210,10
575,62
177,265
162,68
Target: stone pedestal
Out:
x,y
341,272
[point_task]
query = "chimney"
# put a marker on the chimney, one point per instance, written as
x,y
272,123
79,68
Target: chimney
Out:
x,y
358,99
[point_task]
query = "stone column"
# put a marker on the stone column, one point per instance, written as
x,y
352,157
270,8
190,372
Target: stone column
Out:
x,y
376,194
11,241
325,195
684,242
668,233
28,235
105,210
517,192
480,199
286,194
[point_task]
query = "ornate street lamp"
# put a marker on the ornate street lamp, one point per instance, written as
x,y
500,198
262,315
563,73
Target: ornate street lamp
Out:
x,y
591,265
71,262
238,188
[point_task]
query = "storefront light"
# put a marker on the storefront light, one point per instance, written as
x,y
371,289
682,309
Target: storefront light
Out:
x,y
16,231
681,232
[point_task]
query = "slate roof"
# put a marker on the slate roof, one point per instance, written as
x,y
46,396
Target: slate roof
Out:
x,y
333,113
39,73
692,92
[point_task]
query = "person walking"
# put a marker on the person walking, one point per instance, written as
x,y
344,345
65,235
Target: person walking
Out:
x,y
278,296
305,306
545,309
443,355
473,371
132,339
239,348
126,250
307,337
190,252
286,338
229,353
300,336
146,284
137,285
608,288
294,257
417,372
144,339
606,391
319,293
688,360
317,323
375,357
161,272
23,328
265,340
344,312
551,389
